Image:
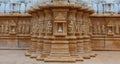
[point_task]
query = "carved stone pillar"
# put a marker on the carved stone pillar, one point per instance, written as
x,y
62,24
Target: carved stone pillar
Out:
x,y
79,33
40,36
47,32
32,51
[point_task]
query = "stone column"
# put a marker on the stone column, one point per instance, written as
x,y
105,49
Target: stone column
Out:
x,y
47,36
86,37
79,35
32,51
34,38
74,35
40,36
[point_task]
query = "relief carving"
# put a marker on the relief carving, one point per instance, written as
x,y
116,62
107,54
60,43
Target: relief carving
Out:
x,y
13,27
19,26
117,28
103,29
2,27
7,27
23,27
40,26
70,26
27,27
49,26
60,15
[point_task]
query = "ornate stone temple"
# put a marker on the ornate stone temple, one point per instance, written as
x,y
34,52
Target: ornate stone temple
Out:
x,y
60,31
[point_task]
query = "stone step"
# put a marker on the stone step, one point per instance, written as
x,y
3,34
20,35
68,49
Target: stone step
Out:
x,y
66,55
60,59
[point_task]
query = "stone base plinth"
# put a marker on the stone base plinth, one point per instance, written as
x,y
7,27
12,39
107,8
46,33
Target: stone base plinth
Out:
x,y
60,59
88,55
33,55
27,54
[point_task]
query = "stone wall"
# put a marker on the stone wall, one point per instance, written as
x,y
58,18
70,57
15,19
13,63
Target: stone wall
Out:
x,y
105,32
14,31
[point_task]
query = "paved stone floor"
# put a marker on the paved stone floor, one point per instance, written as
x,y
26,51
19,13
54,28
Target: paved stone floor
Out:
x,y
17,57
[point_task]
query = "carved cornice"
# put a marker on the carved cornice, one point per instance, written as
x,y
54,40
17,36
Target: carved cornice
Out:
x,y
105,16
15,15
61,5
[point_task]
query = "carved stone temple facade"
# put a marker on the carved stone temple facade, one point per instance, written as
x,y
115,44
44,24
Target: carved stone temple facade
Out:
x,y
105,31
60,32
15,31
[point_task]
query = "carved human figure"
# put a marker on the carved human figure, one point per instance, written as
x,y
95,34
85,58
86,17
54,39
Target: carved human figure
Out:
x,y
85,25
41,24
37,25
70,26
34,26
79,20
20,26
27,27
103,29
76,25
49,26
117,28
23,27
98,28
95,29
12,26
6,27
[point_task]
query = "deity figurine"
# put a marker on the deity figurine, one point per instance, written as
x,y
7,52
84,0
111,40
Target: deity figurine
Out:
x,y
60,28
